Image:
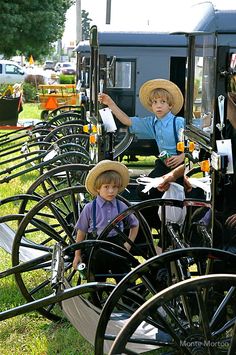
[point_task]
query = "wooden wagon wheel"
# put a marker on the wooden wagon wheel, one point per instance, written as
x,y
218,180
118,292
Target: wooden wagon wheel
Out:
x,y
153,276
198,316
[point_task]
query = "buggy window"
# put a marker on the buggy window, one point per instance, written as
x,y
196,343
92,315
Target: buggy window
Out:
x,y
123,75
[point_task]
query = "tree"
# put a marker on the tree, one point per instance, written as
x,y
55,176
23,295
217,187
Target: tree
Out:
x,y
85,24
31,27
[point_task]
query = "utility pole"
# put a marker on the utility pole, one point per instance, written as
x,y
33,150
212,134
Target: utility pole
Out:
x,y
78,22
108,12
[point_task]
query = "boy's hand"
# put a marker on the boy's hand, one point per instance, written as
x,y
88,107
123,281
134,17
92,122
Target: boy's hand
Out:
x,y
231,221
174,161
187,186
164,186
104,99
76,261
127,246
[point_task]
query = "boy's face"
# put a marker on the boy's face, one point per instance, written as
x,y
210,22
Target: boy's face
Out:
x,y
108,191
160,107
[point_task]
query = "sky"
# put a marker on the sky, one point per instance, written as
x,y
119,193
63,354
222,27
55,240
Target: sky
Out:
x,y
134,15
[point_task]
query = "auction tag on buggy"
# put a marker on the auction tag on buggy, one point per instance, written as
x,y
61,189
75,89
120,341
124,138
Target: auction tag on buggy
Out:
x,y
224,146
108,119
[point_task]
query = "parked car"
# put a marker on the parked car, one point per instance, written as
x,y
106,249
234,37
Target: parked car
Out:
x,y
67,68
11,72
48,65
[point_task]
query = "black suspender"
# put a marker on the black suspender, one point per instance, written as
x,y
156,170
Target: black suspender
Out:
x,y
174,129
94,218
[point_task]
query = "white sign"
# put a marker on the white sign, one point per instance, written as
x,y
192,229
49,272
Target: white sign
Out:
x,y
108,119
224,146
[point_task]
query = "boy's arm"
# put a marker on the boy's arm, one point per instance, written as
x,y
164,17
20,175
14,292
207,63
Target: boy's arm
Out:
x,y
77,258
172,176
120,115
132,236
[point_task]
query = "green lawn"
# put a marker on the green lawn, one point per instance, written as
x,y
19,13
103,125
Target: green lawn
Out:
x,y
30,111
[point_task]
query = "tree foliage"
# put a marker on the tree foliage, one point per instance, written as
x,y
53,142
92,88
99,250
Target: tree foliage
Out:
x,y
85,24
31,26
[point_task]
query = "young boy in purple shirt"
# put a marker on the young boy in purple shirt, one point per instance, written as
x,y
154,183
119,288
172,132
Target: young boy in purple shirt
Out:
x,y
105,181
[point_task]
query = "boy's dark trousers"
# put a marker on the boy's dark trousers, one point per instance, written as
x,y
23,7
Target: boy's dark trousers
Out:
x,y
105,263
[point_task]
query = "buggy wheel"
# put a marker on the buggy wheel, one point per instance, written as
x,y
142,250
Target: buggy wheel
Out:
x,y
68,108
59,178
69,154
198,316
95,251
62,131
50,221
144,245
66,117
54,180
153,276
78,142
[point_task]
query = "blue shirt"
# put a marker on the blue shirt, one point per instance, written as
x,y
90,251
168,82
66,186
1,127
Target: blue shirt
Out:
x,y
160,129
106,211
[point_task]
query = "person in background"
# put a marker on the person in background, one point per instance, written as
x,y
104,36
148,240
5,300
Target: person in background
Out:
x,y
104,182
18,93
224,236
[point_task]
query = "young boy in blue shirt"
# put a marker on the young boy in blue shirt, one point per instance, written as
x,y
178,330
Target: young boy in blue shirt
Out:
x,y
164,99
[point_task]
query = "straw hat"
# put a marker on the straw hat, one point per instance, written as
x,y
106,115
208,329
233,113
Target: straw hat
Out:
x,y
149,86
53,76
101,167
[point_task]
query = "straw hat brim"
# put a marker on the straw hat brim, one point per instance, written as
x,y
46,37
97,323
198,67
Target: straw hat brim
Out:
x,y
173,89
101,167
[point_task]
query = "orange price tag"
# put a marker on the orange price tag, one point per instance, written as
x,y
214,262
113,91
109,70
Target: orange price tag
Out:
x,y
180,146
92,139
205,166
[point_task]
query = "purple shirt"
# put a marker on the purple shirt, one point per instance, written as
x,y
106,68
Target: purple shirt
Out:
x,y
106,211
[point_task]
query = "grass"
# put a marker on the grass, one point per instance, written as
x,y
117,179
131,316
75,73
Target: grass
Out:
x,y
30,111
